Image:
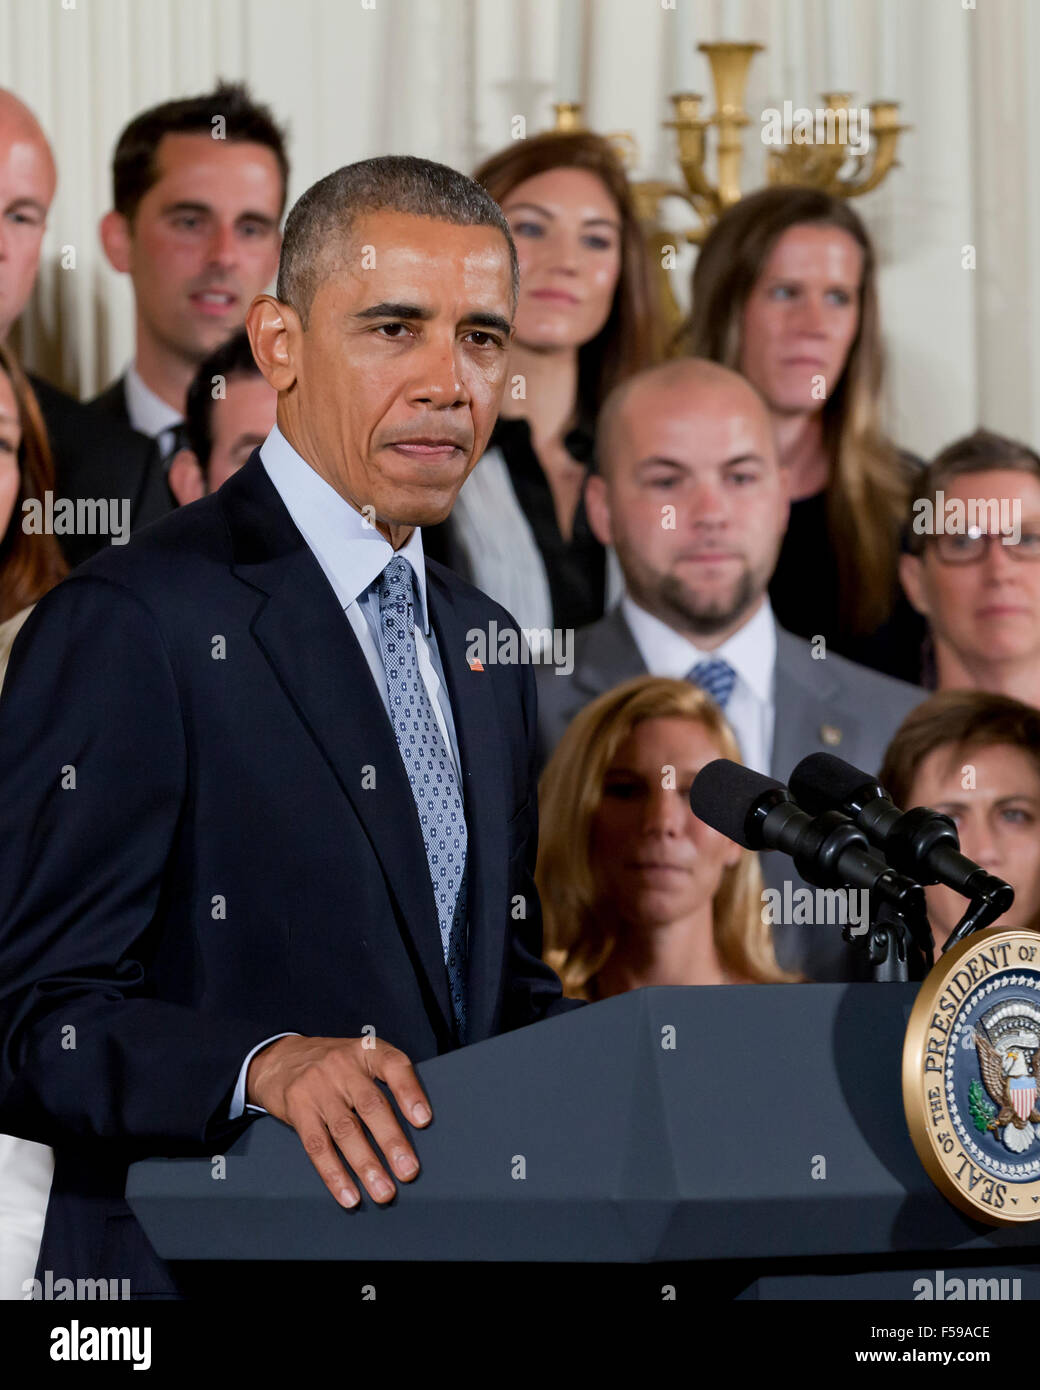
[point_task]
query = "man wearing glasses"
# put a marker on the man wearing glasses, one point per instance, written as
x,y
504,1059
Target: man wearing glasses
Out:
x,y
978,583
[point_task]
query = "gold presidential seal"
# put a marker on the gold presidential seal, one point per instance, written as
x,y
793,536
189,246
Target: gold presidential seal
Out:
x,y
971,1068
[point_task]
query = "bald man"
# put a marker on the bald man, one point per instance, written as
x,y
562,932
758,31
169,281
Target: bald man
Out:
x,y
27,183
92,459
691,495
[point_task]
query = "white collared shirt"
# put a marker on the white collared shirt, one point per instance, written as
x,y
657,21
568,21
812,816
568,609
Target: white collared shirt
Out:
x,y
352,554
751,651
150,414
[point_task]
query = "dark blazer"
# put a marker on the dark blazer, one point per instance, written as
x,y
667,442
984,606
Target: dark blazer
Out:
x,y
98,454
154,498
111,402
829,705
225,868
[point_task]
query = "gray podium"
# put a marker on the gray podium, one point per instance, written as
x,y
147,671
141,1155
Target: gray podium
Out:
x,y
661,1125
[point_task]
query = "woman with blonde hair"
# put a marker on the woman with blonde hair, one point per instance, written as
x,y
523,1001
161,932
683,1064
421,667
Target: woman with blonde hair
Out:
x,y
635,889
785,292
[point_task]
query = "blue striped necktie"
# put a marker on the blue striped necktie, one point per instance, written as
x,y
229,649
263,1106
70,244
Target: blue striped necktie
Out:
x,y
716,678
431,773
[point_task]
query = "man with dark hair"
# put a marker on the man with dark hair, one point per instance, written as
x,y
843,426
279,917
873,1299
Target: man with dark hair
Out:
x,y
228,113
301,848
972,566
199,187
320,229
231,410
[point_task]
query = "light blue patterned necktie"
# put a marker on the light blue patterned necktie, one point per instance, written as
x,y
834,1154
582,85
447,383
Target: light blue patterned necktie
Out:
x,y
716,678
430,773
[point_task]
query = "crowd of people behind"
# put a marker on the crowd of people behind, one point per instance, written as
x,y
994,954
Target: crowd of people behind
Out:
x,y
728,526
735,516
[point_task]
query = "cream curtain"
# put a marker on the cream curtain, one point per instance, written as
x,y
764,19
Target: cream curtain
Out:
x,y
446,78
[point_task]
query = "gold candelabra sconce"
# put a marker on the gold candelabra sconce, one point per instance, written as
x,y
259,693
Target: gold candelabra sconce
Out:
x,y
839,149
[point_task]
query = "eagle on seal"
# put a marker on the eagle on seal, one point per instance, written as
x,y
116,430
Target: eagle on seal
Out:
x,y
1012,1082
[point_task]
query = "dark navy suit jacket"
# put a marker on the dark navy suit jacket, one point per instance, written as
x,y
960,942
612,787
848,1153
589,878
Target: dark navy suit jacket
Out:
x,y
207,836
98,454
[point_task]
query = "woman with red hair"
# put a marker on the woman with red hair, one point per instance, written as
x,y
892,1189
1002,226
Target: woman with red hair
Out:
x,y
30,564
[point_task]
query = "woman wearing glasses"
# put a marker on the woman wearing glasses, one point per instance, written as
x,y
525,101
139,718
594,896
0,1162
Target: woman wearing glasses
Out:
x,y
973,567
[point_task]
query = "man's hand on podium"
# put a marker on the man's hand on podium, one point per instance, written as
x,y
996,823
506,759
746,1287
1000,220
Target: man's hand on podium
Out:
x,y
325,1088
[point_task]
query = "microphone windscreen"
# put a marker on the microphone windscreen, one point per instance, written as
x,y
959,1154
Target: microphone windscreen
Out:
x,y
821,782
723,795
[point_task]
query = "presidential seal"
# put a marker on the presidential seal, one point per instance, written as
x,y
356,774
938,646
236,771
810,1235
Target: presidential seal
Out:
x,y
971,1070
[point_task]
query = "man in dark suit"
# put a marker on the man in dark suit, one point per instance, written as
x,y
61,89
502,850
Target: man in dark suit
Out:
x,y
92,457
95,458
194,223
265,834
692,497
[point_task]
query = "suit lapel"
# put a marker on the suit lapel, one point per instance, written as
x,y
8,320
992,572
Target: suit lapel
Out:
x,y
804,705
607,656
311,647
481,750
112,402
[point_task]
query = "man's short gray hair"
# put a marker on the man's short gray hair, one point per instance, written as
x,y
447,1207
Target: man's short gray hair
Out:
x,y
321,220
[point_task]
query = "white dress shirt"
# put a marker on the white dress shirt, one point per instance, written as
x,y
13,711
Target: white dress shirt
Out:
x,y
751,651
26,1170
150,414
352,555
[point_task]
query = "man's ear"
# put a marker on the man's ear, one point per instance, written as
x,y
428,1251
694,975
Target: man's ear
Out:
x,y
597,509
185,477
911,576
115,240
274,330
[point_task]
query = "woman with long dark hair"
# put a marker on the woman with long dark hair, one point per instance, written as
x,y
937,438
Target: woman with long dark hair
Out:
x,y
584,322
785,292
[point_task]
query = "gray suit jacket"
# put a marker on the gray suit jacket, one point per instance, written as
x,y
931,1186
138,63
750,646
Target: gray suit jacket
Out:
x,y
829,705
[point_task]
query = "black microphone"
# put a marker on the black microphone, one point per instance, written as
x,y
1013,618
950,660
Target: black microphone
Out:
x,y
921,843
828,850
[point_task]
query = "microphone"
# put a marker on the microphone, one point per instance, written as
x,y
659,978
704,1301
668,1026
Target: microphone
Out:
x,y
829,851
921,843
